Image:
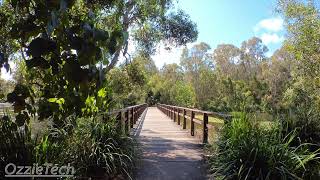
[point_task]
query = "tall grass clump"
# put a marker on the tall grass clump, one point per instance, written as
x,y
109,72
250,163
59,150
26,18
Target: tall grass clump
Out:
x,y
247,150
16,145
97,149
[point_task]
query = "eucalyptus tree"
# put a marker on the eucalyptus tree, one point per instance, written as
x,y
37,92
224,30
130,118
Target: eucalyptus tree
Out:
x,y
253,53
226,58
194,61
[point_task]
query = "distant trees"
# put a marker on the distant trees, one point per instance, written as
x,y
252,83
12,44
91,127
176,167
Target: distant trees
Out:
x,y
228,78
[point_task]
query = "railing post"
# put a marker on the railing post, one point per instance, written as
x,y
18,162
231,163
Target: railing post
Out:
x,y
131,117
178,116
184,119
205,128
192,123
119,122
127,122
134,115
174,114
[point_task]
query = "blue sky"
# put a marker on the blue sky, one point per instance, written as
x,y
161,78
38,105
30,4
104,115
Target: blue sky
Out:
x,y
230,21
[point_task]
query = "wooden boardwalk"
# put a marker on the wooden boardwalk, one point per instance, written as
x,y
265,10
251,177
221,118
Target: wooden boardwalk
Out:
x,y
168,151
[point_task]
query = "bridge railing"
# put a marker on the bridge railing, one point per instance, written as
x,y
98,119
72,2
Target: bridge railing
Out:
x,y
126,117
176,112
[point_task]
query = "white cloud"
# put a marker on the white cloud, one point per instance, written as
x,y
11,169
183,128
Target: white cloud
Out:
x,y
268,38
270,30
270,24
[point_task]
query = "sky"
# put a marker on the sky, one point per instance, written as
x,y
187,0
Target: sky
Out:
x,y
229,22
225,21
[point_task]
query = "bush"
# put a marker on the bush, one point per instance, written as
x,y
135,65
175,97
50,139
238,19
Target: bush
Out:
x,y
94,148
97,149
246,150
16,145
304,115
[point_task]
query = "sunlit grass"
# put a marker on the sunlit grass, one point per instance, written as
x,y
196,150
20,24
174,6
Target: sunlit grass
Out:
x,y
211,120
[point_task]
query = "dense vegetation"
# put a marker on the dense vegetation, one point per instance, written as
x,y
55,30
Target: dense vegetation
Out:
x,y
278,134
65,52
68,56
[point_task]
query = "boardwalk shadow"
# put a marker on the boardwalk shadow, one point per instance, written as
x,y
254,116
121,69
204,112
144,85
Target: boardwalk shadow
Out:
x,y
137,130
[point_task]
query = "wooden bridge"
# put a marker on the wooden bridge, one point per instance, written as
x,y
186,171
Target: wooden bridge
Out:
x,y
171,140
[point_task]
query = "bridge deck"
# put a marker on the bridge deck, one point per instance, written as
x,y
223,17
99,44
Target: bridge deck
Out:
x,y
168,151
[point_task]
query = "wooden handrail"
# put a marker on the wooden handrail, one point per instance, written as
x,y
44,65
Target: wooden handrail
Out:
x,y
216,114
172,111
126,117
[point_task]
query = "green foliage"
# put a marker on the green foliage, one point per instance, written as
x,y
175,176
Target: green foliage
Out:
x,y
6,88
97,149
128,82
93,147
247,150
301,99
61,43
183,94
16,145
180,29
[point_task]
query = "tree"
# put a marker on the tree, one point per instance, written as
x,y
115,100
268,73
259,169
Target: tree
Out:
x,y
252,54
226,58
192,61
148,22
277,75
62,42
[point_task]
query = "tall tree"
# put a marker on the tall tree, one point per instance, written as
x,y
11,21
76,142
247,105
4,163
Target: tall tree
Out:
x,y
252,54
226,58
61,43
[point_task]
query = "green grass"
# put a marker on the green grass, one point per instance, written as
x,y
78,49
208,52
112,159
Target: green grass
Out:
x,y
211,120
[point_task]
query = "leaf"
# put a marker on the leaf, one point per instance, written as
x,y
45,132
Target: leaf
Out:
x,y
11,97
113,42
100,35
41,46
37,62
76,42
87,54
102,93
60,101
52,100
74,72
25,28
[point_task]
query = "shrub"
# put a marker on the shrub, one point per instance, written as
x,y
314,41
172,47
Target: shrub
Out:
x,y
246,150
94,148
16,145
97,149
